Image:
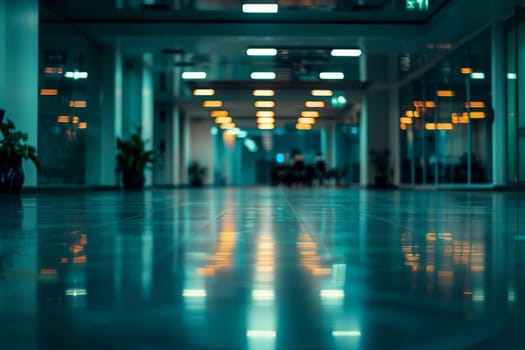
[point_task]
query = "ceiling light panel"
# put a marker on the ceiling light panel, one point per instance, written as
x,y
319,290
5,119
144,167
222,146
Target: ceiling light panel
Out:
x,y
264,104
203,92
263,92
262,75
261,52
212,104
346,52
314,104
260,8
332,75
322,92
194,75
264,114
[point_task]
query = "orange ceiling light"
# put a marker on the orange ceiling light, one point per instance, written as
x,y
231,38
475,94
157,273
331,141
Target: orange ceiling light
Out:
x,y
418,104
78,104
406,120
83,125
76,119
266,126
322,93
263,93
53,70
459,118
300,126
310,114
228,126
412,114
219,113
265,120
430,104
477,115
264,104
270,114
63,119
203,92
306,120
403,126
439,126
466,70
314,104
223,120
446,93
212,104
475,104
48,92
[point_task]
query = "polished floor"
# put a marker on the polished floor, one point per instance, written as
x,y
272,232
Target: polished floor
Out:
x,y
263,268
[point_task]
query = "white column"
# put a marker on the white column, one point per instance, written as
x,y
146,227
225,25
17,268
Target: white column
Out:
x,y
393,121
499,160
19,70
148,108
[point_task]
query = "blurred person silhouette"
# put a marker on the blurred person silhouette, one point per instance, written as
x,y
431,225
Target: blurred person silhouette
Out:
x,y
320,167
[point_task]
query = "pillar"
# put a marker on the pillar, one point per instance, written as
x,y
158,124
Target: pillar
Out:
x,y
147,108
499,160
19,70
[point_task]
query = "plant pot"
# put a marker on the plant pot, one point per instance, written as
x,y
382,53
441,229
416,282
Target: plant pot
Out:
x,y
133,179
11,174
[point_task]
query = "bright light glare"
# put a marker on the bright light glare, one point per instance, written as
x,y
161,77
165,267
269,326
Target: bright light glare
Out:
x,y
512,76
346,52
477,75
322,92
264,104
76,292
76,75
332,293
262,75
203,92
261,52
193,293
346,333
260,8
261,294
193,75
331,75
260,334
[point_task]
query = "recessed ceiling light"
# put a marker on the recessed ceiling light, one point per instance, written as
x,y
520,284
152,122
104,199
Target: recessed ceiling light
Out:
x,y
212,103
264,126
265,120
261,52
477,75
314,104
263,92
346,52
260,8
331,75
264,104
222,120
203,92
306,120
228,126
322,92
193,75
264,113
299,126
311,114
262,75
218,113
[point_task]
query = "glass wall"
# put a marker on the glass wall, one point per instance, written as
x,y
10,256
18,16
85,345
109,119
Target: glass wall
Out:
x,y
446,120
515,47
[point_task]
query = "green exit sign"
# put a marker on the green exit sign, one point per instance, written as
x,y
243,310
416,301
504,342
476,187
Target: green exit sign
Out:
x,y
417,5
338,101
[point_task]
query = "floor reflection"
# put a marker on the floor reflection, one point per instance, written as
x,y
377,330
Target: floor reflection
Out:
x,y
263,269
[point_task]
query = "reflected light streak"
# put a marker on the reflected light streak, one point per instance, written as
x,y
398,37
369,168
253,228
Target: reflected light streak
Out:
x,y
332,293
260,334
263,294
194,293
76,292
346,333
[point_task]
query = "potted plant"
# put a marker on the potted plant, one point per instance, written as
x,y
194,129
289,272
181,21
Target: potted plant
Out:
x,y
381,162
132,160
197,173
13,148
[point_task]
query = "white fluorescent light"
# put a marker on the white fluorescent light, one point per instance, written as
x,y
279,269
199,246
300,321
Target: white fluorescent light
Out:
x,y
260,334
261,52
512,76
331,75
346,52
234,131
194,293
262,75
242,134
260,8
193,75
76,292
76,75
346,333
477,75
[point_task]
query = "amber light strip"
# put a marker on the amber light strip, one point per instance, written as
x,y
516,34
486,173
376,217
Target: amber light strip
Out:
x,y
48,92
